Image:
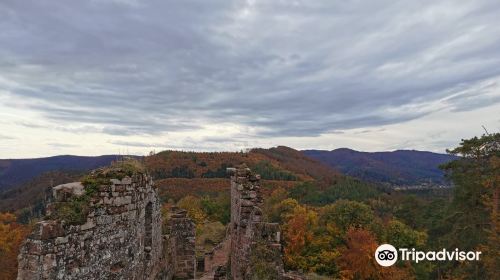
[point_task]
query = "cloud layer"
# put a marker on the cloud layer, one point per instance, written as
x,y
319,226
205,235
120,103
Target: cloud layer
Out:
x,y
267,68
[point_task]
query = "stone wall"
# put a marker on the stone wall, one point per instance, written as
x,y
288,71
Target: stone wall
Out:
x,y
120,235
181,245
247,230
218,256
119,239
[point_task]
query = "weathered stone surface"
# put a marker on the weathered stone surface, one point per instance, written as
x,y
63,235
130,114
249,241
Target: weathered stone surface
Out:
x,y
181,244
121,238
293,276
62,240
220,273
88,225
116,242
47,230
246,227
218,256
65,191
115,181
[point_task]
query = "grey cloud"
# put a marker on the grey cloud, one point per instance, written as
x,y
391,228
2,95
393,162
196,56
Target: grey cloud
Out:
x,y
239,140
366,131
138,144
315,128
62,145
29,124
222,139
470,104
189,145
6,137
474,98
81,129
71,128
151,67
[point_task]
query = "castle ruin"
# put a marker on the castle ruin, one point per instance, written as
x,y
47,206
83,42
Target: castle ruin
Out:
x,y
254,243
118,234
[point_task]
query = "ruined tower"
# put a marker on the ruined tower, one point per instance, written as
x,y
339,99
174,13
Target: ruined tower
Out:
x,y
250,236
106,228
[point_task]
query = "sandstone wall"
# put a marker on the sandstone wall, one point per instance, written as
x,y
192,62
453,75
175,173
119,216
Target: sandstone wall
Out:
x,y
121,238
181,245
248,231
218,256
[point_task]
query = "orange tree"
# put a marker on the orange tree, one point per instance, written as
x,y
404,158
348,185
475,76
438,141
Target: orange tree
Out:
x,y
357,259
11,236
308,247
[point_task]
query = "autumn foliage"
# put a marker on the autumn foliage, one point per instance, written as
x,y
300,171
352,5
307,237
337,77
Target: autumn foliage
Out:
x,y
331,224
339,239
279,163
357,259
11,236
299,236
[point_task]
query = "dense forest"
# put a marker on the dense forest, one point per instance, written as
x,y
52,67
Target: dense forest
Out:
x,y
331,231
14,172
331,223
400,168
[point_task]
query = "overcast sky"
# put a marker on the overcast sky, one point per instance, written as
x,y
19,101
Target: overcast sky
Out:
x,y
106,77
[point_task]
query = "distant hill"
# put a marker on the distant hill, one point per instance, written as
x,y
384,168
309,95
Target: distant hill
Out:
x,y
33,193
23,182
280,163
275,164
402,167
14,172
179,173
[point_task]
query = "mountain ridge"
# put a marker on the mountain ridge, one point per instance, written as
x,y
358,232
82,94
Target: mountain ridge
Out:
x,y
176,173
14,172
399,167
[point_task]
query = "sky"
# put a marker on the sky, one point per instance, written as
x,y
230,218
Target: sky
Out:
x,y
129,76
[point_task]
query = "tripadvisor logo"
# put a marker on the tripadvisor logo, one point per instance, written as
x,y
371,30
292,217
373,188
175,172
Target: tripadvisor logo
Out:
x,y
387,255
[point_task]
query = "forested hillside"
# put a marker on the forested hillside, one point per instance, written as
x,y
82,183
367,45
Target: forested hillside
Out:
x,y
28,199
14,172
331,223
177,174
181,173
400,168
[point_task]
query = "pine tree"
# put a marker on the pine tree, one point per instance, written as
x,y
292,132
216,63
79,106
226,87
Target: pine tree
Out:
x,y
474,210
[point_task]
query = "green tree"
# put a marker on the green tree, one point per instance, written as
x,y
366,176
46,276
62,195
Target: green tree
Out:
x,y
402,236
194,209
217,208
278,205
473,213
345,214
